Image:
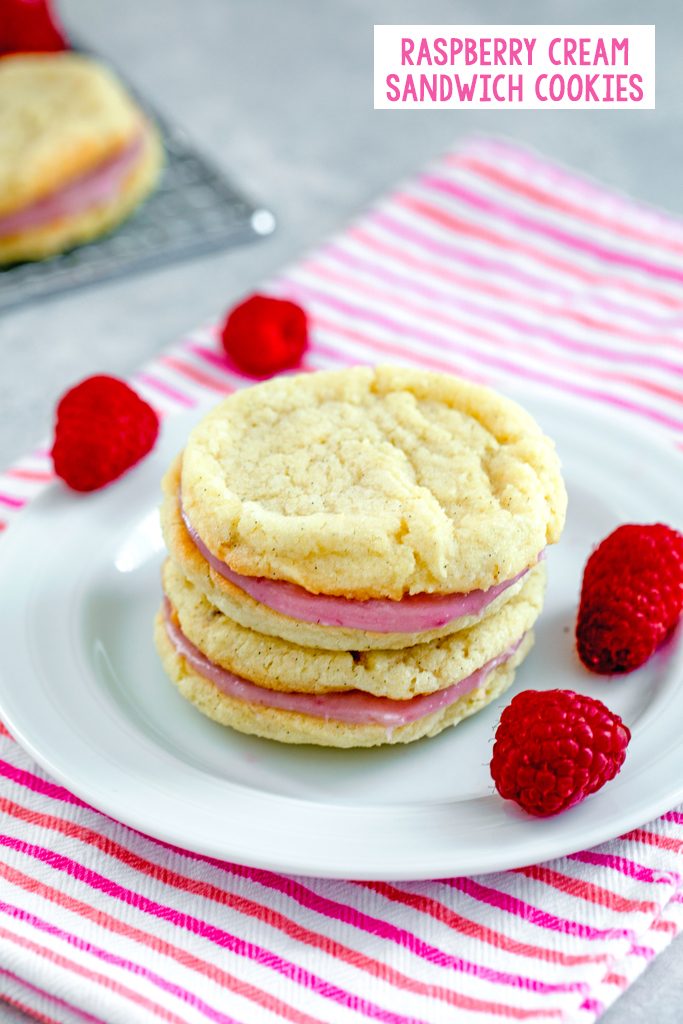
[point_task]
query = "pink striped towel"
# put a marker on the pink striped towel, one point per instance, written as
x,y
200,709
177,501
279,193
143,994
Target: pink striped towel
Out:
x,y
498,265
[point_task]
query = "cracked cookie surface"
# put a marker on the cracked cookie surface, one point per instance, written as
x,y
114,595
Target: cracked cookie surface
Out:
x,y
369,483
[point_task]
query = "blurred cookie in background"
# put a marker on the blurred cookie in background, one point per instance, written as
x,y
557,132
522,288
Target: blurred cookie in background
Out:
x,y
77,154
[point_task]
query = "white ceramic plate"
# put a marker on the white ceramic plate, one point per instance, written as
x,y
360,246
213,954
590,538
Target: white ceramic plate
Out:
x,y
82,691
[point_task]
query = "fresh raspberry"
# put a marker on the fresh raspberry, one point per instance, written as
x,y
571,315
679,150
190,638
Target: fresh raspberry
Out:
x,y
555,747
29,26
631,598
263,335
102,429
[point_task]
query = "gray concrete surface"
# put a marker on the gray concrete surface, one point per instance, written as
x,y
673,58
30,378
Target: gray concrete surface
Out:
x,y
280,93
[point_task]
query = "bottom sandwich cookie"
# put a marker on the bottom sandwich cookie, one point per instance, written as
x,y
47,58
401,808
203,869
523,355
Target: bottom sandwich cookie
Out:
x,y
339,718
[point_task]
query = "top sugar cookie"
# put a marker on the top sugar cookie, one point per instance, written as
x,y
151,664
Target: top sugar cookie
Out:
x,y
371,483
61,115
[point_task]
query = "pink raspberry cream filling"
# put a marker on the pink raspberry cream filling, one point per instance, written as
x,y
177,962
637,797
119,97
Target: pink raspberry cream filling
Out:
x,y
89,190
414,613
353,706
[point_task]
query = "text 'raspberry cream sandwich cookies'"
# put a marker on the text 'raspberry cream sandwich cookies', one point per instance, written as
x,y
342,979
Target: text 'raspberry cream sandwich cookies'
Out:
x,y
358,527
77,155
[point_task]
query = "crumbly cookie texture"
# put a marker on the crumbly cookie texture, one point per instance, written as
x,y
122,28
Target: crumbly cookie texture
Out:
x,y
246,611
293,727
277,664
61,115
46,240
373,483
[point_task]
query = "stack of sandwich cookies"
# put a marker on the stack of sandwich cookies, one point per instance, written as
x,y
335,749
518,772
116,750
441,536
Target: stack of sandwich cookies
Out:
x,y
77,155
354,555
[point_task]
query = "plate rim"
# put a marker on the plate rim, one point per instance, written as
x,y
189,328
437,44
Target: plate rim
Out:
x,y
497,859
